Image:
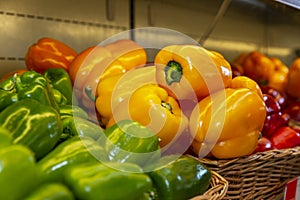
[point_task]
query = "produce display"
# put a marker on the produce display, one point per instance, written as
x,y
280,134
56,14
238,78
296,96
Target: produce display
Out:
x,y
107,123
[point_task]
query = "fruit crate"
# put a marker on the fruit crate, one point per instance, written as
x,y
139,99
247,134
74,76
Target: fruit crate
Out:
x,y
262,175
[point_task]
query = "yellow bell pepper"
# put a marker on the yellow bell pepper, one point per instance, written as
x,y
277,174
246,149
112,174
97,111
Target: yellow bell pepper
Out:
x,y
227,124
152,106
293,83
246,82
111,90
278,80
191,72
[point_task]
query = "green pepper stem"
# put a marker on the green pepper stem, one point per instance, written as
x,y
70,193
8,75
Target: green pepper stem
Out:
x,y
167,106
173,72
88,92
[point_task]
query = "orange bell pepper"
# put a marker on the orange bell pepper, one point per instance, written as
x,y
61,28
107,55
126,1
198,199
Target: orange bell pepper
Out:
x,y
293,82
227,124
152,106
97,62
49,53
258,67
191,72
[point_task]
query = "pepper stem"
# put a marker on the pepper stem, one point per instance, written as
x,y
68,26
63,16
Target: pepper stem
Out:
x,y
167,106
88,92
173,72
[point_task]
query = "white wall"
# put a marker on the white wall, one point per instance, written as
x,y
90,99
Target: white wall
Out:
x,y
247,25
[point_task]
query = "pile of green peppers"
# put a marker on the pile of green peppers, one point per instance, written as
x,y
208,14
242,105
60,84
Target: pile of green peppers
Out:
x,y
49,149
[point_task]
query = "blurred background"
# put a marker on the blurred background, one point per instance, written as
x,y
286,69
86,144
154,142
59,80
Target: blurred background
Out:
x,y
231,27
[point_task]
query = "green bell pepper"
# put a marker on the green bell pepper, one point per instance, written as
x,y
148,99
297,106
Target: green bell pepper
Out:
x,y
108,181
75,122
72,110
32,124
182,178
74,151
29,85
60,80
5,138
51,191
129,141
18,173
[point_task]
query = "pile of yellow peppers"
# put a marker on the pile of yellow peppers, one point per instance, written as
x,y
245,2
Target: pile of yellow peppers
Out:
x,y
186,90
186,93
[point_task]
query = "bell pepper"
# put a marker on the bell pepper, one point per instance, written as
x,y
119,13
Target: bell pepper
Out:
x,y
222,122
78,126
72,152
5,137
246,82
98,62
108,181
258,67
18,174
32,124
111,90
75,122
285,137
279,79
51,191
151,106
29,84
129,141
293,83
49,53
182,178
60,80
191,72
12,73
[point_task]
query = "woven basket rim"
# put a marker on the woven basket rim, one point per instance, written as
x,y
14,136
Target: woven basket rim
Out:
x,y
259,156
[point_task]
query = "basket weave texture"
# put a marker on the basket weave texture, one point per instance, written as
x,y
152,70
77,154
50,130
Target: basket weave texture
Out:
x,y
261,175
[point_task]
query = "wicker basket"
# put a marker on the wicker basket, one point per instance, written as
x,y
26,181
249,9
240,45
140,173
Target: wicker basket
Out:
x,y
258,176
217,190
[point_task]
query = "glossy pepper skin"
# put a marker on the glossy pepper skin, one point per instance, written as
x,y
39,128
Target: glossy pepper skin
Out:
x,y
114,181
231,128
18,174
191,72
51,191
28,85
72,152
182,178
129,141
32,124
293,83
5,137
285,137
151,106
49,53
75,122
98,62
60,80
112,90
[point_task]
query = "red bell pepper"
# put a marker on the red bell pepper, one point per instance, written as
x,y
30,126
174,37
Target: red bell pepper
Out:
x,y
285,137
